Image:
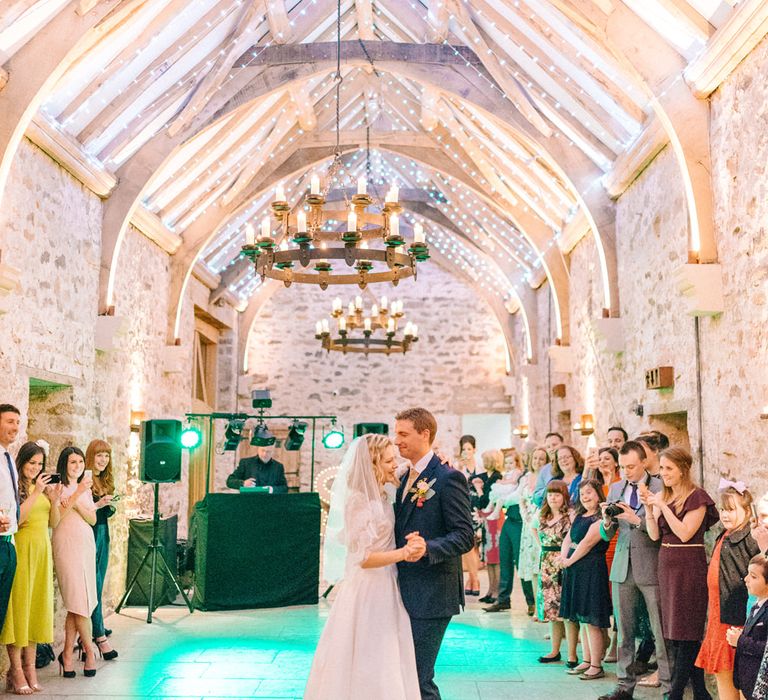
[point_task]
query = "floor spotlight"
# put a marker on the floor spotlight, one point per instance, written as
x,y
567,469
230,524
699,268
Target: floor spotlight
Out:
x,y
333,437
295,437
262,437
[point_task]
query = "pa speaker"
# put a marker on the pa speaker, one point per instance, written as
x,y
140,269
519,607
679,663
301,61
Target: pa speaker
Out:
x,y
377,428
160,451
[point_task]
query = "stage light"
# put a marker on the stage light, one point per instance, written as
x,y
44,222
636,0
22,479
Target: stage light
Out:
x,y
295,437
233,433
262,437
261,398
191,437
333,437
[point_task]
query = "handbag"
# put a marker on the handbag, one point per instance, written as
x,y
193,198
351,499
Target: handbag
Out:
x,y
44,655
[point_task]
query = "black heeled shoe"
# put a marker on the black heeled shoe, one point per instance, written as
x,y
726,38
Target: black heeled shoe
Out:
x,y
88,672
62,670
106,655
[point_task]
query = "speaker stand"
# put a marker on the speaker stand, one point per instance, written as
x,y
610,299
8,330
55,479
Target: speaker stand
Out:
x,y
154,554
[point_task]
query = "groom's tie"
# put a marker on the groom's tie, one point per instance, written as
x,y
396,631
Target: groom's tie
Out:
x,y
412,476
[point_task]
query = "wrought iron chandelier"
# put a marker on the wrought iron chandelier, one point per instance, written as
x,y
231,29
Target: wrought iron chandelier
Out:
x,y
385,317
316,250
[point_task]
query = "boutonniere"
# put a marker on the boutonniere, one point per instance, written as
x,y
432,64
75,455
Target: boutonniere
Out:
x,y
422,491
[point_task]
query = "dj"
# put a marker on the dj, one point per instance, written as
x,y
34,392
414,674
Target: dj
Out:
x,y
260,470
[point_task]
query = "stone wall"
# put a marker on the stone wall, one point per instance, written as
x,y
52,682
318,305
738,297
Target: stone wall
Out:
x,y
50,229
457,367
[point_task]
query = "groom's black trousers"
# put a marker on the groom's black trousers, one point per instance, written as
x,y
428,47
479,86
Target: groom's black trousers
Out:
x,y
427,637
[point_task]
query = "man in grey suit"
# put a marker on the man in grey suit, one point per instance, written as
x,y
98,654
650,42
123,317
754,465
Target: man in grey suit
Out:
x,y
634,572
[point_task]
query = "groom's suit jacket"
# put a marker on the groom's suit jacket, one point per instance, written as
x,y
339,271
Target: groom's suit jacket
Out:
x,y
433,587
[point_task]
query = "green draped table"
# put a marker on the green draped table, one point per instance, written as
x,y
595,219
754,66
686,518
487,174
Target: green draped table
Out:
x,y
255,550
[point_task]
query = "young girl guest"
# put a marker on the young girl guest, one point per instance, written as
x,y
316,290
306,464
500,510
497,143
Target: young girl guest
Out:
x,y
679,515
726,586
74,557
493,463
554,524
29,620
98,458
468,467
749,675
586,599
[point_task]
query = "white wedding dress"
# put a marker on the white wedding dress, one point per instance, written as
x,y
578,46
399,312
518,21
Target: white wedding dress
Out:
x,y
366,648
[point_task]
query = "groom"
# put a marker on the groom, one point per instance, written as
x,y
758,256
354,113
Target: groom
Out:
x,y
432,588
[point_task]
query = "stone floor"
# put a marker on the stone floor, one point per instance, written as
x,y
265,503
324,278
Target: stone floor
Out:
x,y
267,654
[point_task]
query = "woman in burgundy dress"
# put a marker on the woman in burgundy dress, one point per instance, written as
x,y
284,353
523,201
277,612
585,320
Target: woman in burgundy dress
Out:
x,y
679,515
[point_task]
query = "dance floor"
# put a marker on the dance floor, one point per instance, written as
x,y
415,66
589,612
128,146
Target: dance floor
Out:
x,y
267,654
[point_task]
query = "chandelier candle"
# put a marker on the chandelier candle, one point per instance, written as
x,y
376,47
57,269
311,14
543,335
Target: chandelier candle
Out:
x,y
280,194
314,185
362,185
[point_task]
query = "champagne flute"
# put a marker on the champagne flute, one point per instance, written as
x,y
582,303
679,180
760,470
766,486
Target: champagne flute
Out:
x,y
5,512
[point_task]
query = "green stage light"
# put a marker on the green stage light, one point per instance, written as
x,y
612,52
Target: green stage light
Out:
x,y
333,438
191,437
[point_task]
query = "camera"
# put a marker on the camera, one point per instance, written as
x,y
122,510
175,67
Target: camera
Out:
x,y
613,509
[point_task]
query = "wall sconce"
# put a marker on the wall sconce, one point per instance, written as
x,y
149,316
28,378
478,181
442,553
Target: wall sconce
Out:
x,y
521,431
764,413
637,408
586,426
137,416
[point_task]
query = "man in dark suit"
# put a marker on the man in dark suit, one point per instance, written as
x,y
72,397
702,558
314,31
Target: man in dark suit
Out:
x,y
260,470
433,501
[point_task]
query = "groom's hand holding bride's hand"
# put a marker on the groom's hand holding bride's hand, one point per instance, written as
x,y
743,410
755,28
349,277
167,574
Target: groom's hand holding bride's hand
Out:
x,y
415,547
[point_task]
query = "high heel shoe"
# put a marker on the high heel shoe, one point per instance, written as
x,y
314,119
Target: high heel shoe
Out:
x,y
11,687
62,670
89,672
30,670
106,655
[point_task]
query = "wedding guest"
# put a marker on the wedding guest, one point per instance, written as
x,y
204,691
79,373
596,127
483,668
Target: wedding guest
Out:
x,y
634,574
551,442
679,516
74,557
468,466
760,524
98,458
654,442
493,463
616,437
586,600
29,620
10,422
530,548
553,526
608,474
506,494
568,466
750,675
726,585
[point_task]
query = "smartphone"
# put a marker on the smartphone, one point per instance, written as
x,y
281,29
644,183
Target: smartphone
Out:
x,y
88,474
54,478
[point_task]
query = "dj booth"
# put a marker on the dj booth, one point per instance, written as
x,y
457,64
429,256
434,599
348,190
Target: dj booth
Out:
x,y
256,550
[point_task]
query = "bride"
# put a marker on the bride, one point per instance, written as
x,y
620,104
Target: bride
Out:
x,y
366,649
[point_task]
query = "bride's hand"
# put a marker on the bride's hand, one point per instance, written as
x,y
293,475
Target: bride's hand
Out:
x,y
415,547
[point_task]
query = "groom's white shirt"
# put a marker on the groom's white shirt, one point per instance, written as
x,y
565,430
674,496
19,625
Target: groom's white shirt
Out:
x,y
421,465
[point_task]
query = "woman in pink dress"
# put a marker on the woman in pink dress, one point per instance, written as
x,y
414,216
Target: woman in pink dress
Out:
x,y
74,558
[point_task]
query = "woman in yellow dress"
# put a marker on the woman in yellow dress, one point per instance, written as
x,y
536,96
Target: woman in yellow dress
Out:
x,y
30,610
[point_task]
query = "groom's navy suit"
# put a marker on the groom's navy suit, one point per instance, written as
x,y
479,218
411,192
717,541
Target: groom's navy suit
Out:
x,y
432,588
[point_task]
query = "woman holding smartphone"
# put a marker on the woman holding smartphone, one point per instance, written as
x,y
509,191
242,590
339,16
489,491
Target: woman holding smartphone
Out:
x,y
74,557
98,458
33,583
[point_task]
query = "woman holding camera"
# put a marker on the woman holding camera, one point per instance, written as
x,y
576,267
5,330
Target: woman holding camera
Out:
x,y
98,458
74,556
33,583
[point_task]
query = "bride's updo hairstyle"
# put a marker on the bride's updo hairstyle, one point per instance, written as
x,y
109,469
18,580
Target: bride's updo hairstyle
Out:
x,y
376,446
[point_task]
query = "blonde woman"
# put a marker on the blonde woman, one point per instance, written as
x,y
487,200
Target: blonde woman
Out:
x,y
530,547
366,648
493,464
